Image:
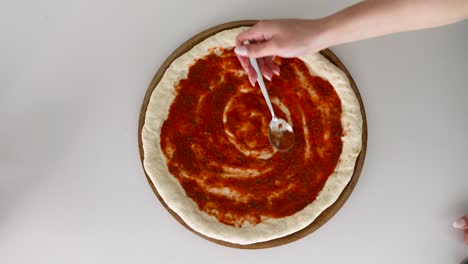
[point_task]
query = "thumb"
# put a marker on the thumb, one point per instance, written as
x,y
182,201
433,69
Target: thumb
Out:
x,y
461,223
258,50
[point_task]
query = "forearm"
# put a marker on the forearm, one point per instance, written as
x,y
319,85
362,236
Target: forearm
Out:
x,y
374,18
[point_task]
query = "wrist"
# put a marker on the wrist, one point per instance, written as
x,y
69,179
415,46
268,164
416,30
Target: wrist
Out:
x,y
321,34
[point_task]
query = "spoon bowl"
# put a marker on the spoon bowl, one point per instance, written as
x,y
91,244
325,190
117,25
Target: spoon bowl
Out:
x,y
281,134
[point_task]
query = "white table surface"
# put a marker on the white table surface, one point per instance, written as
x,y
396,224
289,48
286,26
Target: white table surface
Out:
x,y
72,78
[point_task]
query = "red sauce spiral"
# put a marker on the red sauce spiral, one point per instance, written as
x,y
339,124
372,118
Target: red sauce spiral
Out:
x,y
215,139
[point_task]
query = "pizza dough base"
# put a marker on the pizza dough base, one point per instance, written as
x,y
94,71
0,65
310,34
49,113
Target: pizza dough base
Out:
x,y
174,195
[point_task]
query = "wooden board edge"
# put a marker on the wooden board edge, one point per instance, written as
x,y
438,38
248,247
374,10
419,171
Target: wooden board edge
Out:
x,y
325,215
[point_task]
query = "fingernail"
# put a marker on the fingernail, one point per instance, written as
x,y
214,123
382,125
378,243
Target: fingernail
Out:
x,y
276,72
252,81
460,223
268,77
241,50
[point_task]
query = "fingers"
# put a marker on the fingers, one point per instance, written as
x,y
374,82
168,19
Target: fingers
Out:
x,y
245,63
461,223
261,45
274,68
258,50
265,68
259,32
252,75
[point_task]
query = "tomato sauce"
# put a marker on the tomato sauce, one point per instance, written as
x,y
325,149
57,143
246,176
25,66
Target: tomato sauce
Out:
x,y
215,139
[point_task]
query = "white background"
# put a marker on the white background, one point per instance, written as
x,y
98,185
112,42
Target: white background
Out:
x,y
72,190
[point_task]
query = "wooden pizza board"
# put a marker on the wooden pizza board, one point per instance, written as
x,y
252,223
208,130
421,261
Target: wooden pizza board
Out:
x,y
325,215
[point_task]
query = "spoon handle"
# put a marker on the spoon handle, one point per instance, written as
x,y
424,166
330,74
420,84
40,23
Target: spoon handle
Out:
x,y
254,63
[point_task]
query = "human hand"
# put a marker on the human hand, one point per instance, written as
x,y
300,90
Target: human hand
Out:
x,y
462,224
286,38
366,19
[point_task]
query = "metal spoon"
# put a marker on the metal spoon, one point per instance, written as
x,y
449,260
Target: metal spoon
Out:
x,y
280,133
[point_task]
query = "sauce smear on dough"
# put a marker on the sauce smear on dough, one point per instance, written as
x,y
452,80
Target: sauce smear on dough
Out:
x,y
215,139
